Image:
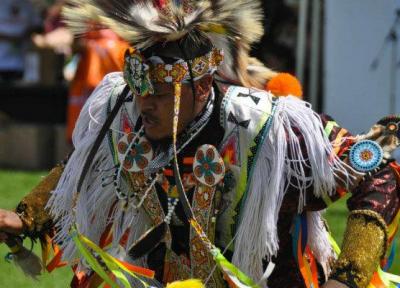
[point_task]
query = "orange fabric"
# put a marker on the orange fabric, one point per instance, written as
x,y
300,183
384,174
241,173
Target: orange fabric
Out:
x,y
377,282
341,191
284,84
229,281
313,264
168,172
106,237
138,270
56,261
81,280
188,160
307,265
103,53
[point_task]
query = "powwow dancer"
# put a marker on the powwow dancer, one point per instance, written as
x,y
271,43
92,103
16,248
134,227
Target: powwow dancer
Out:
x,y
190,165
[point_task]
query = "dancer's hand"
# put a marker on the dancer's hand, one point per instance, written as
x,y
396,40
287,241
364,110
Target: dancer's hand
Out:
x,y
334,284
9,223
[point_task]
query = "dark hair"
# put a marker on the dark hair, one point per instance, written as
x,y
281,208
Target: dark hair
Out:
x,y
191,46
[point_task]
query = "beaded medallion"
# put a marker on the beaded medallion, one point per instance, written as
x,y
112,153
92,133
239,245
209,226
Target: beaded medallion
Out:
x,y
134,152
366,155
208,166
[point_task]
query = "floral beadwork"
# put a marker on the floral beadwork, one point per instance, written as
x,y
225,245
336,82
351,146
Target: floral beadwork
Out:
x,y
136,73
208,167
366,155
134,157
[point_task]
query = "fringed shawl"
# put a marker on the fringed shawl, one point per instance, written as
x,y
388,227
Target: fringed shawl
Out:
x,y
276,158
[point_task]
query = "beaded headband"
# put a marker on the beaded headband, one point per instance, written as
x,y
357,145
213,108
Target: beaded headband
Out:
x,y
140,73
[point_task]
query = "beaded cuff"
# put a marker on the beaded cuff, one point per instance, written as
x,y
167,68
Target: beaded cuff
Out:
x,y
32,210
364,244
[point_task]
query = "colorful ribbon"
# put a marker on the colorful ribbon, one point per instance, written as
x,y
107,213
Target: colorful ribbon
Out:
x,y
302,253
115,267
238,278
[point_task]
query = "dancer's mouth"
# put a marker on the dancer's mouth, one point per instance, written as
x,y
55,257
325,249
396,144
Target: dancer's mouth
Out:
x,y
149,121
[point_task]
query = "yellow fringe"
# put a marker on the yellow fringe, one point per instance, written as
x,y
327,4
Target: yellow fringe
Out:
x,y
192,283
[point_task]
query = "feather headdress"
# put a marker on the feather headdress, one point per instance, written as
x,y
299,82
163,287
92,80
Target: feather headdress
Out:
x,y
232,26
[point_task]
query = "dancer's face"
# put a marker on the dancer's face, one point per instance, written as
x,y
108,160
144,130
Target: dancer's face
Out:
x,y
157,110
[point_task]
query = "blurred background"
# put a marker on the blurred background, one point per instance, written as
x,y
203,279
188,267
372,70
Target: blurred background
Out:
x,y
345,53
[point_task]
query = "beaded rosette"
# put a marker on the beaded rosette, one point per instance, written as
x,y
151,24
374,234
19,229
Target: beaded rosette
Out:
x,y
366,155
134,153
208,167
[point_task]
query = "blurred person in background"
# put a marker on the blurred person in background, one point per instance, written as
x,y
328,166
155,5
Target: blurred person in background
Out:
x,y
18,19
96,53
100,52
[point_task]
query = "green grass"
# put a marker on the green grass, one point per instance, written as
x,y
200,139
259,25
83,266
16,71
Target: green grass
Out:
x,y
14,185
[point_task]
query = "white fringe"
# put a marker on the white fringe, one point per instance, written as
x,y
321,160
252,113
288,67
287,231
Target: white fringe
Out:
x,y
92,210
280,160
318,240
273,170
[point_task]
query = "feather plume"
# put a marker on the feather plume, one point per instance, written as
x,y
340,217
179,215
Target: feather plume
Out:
x,y
232,26
143,24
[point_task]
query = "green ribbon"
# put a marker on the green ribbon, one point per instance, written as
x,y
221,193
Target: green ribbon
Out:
x,y
112,264
231,269
91,260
